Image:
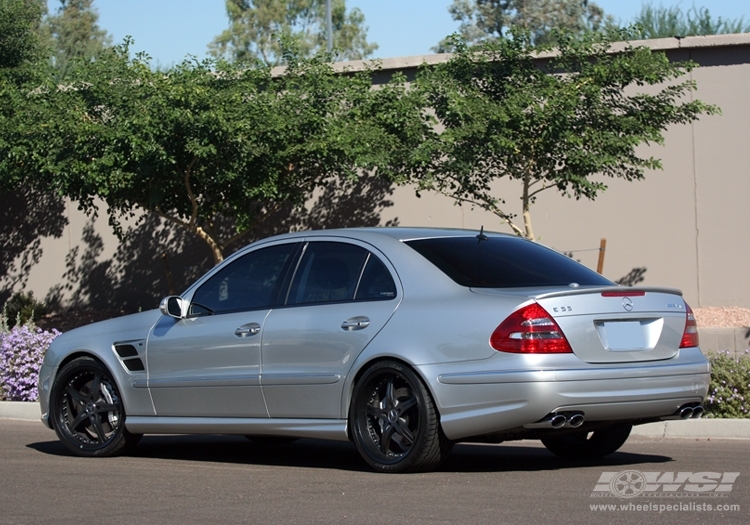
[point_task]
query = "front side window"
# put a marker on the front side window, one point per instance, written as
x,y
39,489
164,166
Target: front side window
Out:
x,y
247,283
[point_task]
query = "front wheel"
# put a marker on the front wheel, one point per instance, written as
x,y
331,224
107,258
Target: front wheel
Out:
x,y
589,445
394,422
87,412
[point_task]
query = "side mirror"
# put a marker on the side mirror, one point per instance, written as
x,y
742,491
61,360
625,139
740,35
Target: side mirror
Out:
x,y
173,306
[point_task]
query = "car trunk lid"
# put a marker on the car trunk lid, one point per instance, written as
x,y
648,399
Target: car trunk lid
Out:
x,y
615,324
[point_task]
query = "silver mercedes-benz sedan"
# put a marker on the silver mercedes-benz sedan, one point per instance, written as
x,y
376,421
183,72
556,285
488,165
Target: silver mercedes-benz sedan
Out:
x,y
401,340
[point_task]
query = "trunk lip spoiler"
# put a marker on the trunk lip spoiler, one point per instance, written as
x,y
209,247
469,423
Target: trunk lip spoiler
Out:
x,y
601,289
537,293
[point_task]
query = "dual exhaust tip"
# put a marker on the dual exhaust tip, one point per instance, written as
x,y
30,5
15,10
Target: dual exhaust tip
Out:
x,y
576,419
691,412
686,412
571,420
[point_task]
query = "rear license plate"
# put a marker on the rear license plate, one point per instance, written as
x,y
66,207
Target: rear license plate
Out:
x,y
622,335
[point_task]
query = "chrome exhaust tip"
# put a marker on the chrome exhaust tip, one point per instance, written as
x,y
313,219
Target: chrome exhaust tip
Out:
x,y
549,421
558,421
697,412
687,413
576,420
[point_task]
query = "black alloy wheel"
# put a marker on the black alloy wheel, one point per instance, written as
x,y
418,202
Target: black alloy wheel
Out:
x,y
87,412
394,422
589,445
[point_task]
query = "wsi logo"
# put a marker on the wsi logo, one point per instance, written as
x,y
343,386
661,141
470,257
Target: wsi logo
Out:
x,y
634,483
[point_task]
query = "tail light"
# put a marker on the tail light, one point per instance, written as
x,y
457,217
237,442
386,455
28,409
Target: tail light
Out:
x,y
530,330
690,335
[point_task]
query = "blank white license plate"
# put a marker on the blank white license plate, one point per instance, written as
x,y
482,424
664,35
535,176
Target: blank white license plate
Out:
x,y
624,336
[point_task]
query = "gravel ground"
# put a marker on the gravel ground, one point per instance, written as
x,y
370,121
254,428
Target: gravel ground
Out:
x,y
722,317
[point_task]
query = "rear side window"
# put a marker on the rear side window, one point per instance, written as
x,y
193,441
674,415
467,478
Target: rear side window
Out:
x,y
376,282
503,262
330,272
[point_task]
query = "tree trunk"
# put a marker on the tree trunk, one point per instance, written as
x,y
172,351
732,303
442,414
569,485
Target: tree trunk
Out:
x,y
526,202
212,244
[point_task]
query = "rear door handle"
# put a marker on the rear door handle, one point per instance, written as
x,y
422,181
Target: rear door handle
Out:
x,y
247,330
355,323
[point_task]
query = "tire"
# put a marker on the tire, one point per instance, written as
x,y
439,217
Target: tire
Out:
x,y
87,412
394,421
589,445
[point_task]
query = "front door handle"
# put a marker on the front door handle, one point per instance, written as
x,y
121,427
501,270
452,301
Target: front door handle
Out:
x,y
247,329
355,323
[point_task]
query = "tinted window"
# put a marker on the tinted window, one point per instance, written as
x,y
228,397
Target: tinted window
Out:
x,y
376,282
502,262
328,272
246,283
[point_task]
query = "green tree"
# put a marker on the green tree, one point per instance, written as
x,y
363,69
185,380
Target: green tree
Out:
x,y
75,34
19,38
663,22
486,20
210,141
22,54
564,123
256,28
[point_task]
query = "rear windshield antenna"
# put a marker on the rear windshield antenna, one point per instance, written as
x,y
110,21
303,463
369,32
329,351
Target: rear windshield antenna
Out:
x,y
482,236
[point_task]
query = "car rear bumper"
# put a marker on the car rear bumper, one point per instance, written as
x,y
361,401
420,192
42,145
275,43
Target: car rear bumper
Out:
x,y
484,402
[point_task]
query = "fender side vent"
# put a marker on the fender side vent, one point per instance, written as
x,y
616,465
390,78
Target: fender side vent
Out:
x,y
134,365
129,355
125,351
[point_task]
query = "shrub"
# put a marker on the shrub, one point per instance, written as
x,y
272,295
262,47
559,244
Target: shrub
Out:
x,y
21,353
22,308
729,392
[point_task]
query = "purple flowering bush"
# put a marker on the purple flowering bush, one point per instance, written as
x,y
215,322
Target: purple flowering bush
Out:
x,y
729,392
22,350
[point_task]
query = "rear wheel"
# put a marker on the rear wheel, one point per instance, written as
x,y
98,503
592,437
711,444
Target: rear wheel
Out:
x,y
394,421
589,445
87,412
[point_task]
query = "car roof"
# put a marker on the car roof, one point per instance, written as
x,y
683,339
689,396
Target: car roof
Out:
x,y
398,233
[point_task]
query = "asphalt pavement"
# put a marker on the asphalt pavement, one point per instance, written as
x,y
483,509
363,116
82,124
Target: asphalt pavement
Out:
x,y
227,479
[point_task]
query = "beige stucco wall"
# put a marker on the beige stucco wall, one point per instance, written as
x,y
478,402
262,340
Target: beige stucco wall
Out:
x,y
688,225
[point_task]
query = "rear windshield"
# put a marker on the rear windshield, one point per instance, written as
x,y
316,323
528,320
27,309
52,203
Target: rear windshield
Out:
x,y
503,262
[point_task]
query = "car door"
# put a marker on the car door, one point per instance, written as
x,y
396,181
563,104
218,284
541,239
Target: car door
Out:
x,y
341,296
208,364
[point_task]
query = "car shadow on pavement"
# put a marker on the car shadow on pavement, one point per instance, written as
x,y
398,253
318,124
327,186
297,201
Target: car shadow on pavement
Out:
x,y
311,453
531,456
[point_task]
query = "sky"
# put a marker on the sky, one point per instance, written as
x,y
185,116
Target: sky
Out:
x,y
169,30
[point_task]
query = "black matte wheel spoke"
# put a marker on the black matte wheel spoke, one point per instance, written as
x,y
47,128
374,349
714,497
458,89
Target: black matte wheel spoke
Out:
x,y
375,412
390,394
97,424
385,439
404,431
404,406
76,396
80,418
96,387
105,408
